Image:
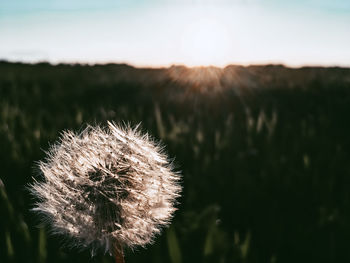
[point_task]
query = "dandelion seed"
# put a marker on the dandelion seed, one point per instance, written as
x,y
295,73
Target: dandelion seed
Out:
x,y
107,188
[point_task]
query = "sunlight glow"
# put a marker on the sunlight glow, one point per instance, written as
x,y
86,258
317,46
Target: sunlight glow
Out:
x,y
206,42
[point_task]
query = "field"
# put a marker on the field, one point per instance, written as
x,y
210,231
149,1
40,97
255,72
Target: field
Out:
x,y
264,153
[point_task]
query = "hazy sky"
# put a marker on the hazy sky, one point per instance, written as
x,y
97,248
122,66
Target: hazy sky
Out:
x,y
197,32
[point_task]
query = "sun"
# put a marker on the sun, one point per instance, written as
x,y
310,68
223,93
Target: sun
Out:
x,y
206,42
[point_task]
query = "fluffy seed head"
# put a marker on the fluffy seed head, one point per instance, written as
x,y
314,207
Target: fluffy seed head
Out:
x,y
107,187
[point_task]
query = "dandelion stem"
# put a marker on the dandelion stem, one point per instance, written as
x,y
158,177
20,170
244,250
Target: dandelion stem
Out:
x,y
119,255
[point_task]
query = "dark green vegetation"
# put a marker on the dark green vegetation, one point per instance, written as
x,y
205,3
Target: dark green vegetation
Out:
x,y
264,153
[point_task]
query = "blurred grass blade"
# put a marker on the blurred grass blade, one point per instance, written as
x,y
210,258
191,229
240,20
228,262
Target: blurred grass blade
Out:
x,y
173,246
23,228
5,201
245,246
42,253
9,246
159,121
208,245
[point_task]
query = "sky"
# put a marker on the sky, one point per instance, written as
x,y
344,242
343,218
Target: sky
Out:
x,y
189,32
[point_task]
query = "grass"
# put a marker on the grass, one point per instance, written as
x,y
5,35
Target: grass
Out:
x,y
264,157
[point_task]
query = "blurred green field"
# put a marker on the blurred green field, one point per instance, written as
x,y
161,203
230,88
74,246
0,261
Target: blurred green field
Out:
x,y
264,153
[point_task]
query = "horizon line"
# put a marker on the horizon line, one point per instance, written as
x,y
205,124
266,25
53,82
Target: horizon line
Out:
x,y
170,65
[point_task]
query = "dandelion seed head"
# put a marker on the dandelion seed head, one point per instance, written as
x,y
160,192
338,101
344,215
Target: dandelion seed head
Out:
x,y
107,187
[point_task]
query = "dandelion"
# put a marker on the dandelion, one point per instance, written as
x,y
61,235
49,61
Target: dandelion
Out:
x,y
109,188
